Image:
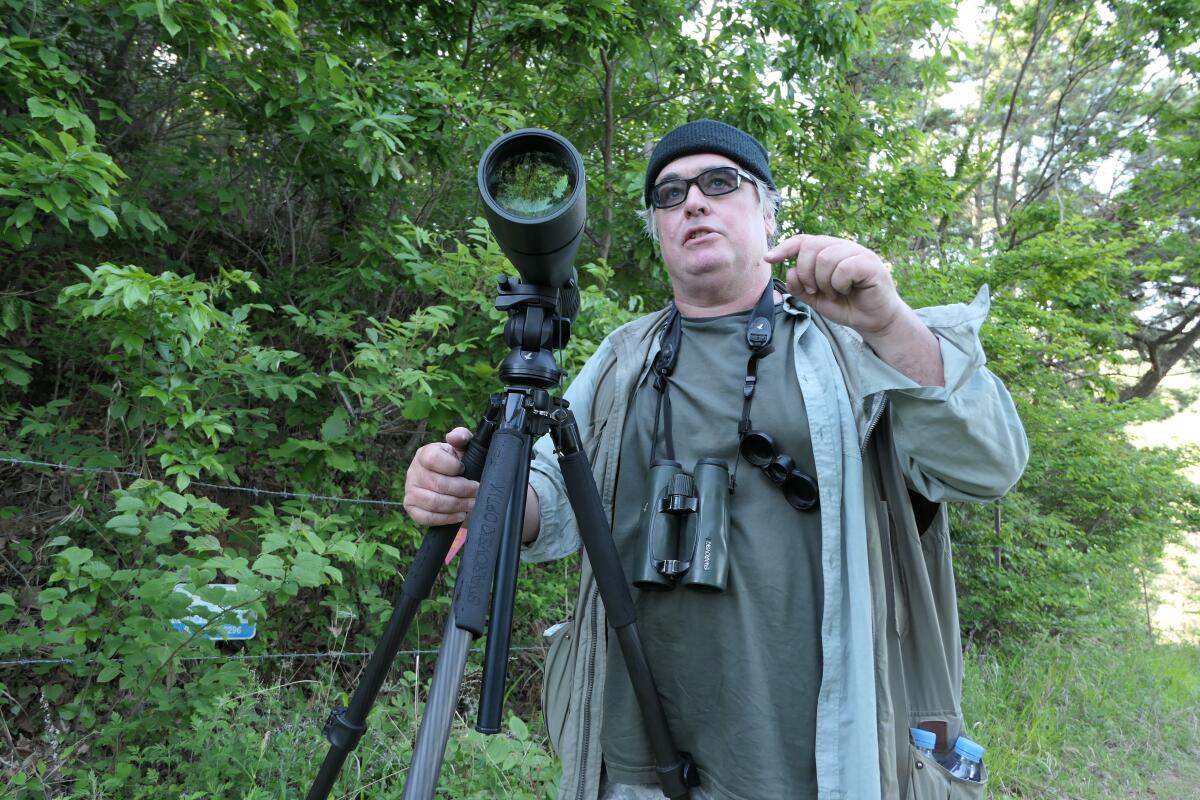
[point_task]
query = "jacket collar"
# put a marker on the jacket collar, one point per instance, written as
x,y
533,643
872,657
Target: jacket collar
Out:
x,y
636,344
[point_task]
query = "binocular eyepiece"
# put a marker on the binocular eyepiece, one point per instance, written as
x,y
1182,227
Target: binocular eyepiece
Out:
x,y
685,527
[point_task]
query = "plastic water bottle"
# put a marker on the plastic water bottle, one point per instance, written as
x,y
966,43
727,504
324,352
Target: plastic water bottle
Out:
x,y
966,760
924,740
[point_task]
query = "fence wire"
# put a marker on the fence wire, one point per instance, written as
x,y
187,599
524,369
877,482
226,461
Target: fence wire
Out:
x,y
31,463
335,654
215,486
305,495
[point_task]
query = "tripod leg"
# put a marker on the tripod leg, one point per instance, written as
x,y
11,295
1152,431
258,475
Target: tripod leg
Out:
x,y
346,726
676,772
430,747
504,595
507,466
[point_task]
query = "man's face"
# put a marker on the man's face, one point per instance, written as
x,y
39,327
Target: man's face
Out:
x,y
711,241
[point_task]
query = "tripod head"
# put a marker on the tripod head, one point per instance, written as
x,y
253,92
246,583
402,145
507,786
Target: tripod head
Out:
x,y
535,327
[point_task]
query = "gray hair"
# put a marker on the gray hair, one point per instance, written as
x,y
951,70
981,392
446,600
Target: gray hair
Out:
x,y
769,201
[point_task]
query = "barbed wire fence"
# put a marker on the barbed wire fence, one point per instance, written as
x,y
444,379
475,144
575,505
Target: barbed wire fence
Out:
x,y
996,548
34,464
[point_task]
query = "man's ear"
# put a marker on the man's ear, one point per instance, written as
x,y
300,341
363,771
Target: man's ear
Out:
x,y
769,225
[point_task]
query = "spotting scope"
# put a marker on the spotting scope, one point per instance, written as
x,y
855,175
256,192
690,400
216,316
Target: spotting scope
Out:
x,y
535,200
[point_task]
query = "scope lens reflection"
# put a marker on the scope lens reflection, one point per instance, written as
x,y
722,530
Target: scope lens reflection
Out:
x,y
532,184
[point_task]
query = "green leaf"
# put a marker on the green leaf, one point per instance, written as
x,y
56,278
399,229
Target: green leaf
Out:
x,y
22,215
167,20
176,502
269,565
417,408
305,121
51,595
308,569
123,523
518,728
160,530
104,211
342,460
39,108
335,426
130,503
76,556
60,195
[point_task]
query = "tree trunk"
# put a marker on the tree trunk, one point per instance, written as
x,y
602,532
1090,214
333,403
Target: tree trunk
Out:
x,y
1161,362
606,149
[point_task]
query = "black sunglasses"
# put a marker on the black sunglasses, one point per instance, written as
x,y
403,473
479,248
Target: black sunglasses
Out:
x,y
799,488
712,182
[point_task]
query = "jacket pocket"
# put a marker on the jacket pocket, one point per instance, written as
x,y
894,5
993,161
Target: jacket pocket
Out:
x,y
556,682
929,780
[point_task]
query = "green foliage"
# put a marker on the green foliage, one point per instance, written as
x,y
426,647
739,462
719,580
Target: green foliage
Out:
x,y
246,744
1090,505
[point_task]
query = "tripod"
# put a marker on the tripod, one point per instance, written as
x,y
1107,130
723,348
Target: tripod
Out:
x,y
499,456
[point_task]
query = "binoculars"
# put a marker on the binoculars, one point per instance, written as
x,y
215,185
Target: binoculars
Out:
x,y
685,527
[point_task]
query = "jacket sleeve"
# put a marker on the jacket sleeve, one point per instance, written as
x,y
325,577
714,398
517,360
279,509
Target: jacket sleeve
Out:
x,y
963,440
558,536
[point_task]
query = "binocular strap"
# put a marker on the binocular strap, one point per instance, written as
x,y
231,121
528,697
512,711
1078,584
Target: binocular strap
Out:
x,y
760,329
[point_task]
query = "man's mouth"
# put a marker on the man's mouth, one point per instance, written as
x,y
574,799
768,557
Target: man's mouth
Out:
x,y
697,234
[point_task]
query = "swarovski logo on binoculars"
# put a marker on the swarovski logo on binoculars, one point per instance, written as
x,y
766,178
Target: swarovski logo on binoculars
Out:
x,y
682,511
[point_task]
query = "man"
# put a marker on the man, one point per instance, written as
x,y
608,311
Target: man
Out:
x,y
836,630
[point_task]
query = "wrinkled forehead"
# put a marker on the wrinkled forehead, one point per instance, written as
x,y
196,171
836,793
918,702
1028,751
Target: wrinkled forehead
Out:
x,y
692,165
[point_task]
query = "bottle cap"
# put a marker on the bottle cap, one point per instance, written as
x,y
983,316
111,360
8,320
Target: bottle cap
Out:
x,y
968,749
925,740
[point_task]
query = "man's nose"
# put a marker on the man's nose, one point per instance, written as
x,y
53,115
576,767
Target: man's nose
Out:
x,y
696,201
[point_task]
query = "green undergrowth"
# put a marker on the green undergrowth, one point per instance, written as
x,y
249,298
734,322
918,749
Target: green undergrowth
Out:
x,y
264,742
1111,715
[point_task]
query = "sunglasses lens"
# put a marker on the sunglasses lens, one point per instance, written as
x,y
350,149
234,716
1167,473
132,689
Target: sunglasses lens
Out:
x,y
758,448
779,469
714,182
801,491
668,194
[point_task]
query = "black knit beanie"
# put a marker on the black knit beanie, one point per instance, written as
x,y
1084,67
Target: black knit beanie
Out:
x,y
709,136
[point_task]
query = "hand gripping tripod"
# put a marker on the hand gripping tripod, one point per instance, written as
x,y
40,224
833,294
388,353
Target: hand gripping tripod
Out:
x,y
503,445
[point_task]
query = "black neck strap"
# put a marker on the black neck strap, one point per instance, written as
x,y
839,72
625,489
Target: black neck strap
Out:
x,y
760,329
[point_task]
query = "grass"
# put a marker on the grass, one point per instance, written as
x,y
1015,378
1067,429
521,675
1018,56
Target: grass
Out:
x,y
1113,716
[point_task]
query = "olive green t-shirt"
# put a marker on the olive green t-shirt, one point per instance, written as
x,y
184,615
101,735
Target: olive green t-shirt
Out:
x,y
738,671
